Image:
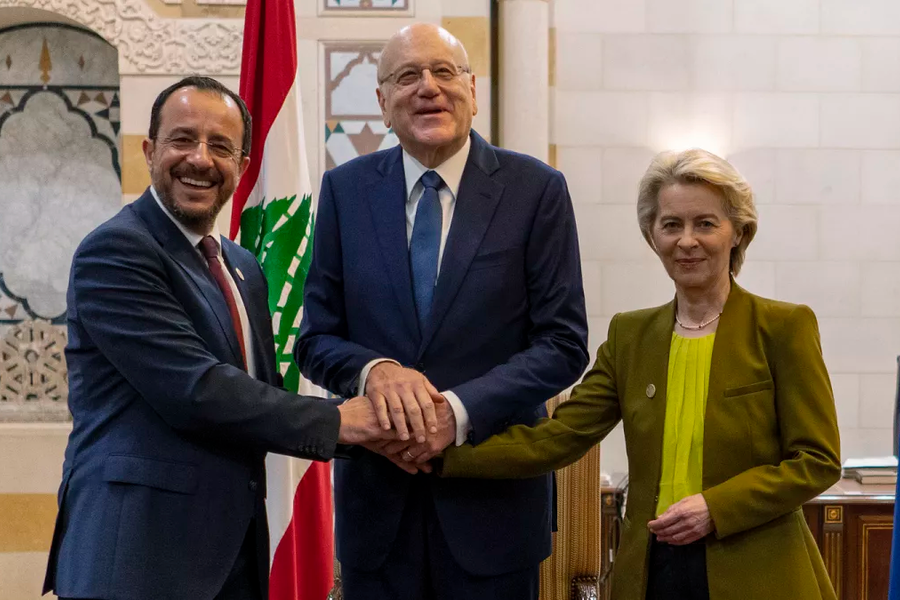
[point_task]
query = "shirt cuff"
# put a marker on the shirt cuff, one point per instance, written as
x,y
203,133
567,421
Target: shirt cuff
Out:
x,y
364,374
462,417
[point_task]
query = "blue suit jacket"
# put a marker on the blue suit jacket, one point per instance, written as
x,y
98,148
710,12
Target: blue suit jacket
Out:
x,y
164,467
508,331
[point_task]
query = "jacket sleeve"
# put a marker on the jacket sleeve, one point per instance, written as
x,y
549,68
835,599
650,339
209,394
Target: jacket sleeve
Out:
x,y
556,352
323,351
808,432
575,427
122,298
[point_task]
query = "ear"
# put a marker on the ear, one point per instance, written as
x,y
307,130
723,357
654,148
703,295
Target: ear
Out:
x,y
738,236
242,166
148,146
474,97
382,104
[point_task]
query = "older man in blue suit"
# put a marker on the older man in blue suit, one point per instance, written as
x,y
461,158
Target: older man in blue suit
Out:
x,y
446,285
173,381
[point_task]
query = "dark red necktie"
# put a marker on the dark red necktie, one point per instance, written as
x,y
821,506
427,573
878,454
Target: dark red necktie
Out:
x,y
210,249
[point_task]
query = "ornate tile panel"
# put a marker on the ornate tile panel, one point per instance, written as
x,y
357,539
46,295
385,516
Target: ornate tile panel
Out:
x,y
353,123
154,45
366,5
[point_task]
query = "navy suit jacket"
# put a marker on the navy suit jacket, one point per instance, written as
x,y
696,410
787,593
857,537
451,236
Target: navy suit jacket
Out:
x,y
164,469
507,331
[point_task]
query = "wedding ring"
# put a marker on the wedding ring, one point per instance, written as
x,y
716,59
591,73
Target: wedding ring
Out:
x,y
408,455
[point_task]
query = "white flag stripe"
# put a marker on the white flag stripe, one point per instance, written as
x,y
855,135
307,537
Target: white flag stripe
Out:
x,y
282,173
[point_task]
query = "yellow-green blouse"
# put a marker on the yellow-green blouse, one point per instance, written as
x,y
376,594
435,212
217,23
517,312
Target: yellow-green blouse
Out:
x,y
686,390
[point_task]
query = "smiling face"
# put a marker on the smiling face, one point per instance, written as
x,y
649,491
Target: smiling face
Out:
x,y
693,236
432,116
193,182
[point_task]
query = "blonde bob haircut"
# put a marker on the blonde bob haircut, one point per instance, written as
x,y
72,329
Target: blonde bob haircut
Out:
x,y
696,166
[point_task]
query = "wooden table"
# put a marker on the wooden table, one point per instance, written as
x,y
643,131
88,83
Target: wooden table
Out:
x,y
851,523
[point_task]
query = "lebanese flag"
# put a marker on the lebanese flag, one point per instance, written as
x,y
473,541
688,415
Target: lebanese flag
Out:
x,y
273,216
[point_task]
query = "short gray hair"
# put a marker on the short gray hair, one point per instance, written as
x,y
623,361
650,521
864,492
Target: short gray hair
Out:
x,y
699,166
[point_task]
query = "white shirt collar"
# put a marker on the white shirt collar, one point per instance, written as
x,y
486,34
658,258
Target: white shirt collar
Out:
x,y
451,170
192,237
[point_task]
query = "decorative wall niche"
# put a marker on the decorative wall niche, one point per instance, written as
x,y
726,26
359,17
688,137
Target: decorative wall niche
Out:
x,y
60,176
353,123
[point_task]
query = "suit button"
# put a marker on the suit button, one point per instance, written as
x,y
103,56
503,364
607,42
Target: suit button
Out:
x,y
252,485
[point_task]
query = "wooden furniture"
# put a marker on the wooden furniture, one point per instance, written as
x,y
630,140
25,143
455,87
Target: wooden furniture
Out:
x,y
572,569
851,523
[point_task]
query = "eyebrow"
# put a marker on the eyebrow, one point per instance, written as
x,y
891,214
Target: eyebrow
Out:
x,y
437,63
664,216
182,130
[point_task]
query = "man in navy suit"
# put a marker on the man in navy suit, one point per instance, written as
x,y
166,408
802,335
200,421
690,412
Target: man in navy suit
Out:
x,y
173,381
446,285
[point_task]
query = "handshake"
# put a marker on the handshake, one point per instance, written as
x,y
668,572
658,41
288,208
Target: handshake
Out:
x,y
402,417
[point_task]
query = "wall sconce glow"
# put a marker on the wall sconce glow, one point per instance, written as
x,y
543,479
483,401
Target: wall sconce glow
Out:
x,y
703,140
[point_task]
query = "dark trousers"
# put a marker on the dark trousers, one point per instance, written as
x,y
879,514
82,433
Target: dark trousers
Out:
x,y
242,582
421,567
677,572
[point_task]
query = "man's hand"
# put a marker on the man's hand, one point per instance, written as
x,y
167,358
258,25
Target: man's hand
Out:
x,y
380,447
419,454
400,395
359,423
686,521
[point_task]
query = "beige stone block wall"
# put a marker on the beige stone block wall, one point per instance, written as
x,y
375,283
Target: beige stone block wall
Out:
x,y
30,472
801,98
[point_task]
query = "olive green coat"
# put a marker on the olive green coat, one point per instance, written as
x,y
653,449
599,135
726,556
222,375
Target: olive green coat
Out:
x,y
770,444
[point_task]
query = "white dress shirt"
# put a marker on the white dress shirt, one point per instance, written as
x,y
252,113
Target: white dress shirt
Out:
x,y
194,239
451,171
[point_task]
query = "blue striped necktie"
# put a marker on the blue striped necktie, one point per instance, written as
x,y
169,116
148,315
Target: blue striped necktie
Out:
x,y
425,245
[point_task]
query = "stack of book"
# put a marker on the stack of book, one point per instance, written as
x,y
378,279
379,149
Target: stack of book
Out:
x,y
872,471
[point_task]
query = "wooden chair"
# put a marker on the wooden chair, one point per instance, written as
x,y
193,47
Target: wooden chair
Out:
x,y
573,570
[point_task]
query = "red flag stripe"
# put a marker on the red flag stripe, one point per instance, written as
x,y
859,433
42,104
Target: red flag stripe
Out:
x,y
303,566
268,70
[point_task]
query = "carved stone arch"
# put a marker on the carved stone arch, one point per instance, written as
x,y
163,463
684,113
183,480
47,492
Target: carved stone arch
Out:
x,y
149,44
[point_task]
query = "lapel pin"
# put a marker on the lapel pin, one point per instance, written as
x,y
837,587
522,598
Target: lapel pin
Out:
x,y
238,271
651,390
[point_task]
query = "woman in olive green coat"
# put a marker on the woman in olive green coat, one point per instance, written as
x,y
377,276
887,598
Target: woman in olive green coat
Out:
x,y
727,408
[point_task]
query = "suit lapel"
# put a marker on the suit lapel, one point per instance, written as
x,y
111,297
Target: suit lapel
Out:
x,y
387,201
732,355
655,343
730,338
476,203
187,257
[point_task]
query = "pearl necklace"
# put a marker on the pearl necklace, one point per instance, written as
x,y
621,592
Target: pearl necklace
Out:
x,y
696,327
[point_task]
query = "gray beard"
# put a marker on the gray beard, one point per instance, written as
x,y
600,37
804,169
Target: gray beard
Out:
x,y
194,222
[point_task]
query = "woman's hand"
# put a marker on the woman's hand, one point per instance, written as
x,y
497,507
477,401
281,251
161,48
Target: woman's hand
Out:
x,y
686,521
